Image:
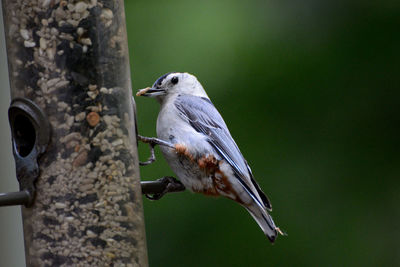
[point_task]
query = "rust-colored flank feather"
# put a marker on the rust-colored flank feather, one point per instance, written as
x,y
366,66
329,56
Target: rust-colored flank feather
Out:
x,y
210,165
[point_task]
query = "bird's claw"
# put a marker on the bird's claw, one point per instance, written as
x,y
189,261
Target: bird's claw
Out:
x,y
155,196
163,185
155,190
152,141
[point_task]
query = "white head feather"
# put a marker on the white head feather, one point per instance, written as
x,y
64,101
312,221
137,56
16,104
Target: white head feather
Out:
x,y
174,83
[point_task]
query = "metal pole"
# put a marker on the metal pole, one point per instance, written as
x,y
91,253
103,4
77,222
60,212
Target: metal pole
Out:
x,y
14,198
71,59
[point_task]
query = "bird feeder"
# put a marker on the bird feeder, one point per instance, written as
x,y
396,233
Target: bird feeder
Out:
x,y
74,137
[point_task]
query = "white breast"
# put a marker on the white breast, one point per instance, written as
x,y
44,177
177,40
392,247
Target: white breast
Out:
x,y
173,128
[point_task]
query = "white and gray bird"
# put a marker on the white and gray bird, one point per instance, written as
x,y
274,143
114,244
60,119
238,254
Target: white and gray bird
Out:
x,y
205,157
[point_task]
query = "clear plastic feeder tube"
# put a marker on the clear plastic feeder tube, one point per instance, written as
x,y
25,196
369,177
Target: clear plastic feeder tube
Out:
x,y
71,58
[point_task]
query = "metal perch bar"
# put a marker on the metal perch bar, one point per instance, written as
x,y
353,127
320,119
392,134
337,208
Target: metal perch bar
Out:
x,y
153,190
14,198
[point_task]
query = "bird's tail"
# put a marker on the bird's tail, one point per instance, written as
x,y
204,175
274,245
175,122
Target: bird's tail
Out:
x,y
265,221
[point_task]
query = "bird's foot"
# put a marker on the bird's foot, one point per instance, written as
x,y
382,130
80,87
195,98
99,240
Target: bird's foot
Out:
x,y
152,141
155,190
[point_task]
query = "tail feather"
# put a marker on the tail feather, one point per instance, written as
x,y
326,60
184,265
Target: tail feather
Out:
x,y
264,220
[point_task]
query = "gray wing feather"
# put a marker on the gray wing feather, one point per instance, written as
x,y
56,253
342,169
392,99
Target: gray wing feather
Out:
x,y
204,118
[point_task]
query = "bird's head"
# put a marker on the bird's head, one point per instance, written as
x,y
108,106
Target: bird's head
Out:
x,y
174,83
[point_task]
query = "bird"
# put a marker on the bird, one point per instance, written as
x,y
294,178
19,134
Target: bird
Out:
x,y
202,153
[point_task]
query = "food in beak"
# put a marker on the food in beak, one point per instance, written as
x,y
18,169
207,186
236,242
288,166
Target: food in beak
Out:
x,y
143,91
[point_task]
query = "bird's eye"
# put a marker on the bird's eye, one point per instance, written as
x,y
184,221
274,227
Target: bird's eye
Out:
x,y
174,80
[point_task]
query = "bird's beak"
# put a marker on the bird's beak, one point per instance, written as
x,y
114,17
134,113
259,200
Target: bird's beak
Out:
x,y
150,92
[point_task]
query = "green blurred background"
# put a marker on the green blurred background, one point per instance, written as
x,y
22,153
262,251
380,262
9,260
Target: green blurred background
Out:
x,y
310,92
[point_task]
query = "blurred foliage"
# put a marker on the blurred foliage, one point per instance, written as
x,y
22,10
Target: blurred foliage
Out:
x,y
310,92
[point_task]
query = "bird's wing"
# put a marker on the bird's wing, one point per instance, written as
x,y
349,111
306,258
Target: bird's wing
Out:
x,y
204,118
